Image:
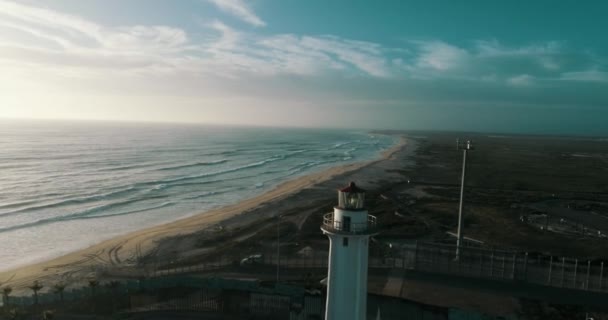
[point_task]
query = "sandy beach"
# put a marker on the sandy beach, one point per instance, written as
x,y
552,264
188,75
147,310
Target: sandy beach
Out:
x,y
124,250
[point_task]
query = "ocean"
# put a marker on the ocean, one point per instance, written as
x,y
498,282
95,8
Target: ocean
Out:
x,y
68,185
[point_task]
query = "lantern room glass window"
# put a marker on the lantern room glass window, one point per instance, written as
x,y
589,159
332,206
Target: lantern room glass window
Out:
x,y
351,200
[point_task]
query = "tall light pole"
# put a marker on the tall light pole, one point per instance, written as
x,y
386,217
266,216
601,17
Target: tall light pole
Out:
x,y
464,147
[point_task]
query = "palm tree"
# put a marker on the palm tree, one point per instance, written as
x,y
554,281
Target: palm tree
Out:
x,y
6,292
36,286
59,288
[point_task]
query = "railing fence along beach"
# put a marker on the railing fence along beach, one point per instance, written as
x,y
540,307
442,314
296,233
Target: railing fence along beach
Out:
x,y
209,296
483,263
538,269
501,266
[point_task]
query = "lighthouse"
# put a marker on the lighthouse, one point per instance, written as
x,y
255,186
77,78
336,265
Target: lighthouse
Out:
x,y
348,227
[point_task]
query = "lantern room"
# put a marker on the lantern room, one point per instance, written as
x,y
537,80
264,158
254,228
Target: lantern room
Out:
x,y
351,198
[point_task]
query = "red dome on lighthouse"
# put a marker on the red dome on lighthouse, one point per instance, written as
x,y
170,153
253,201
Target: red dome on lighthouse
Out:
x,y
352,188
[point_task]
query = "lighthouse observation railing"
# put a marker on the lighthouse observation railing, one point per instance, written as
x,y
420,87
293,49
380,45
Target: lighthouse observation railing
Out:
x,y
335,226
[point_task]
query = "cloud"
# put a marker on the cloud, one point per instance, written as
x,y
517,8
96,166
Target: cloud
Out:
x,y
365,56
64,45
240,10
320,54
440,56
146,38
62,64
58,40
228,36
492,61
234,52
521,80
75,33
493,48
42,45
587,76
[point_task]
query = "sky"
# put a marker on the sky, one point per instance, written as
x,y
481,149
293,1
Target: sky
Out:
x,y
496,66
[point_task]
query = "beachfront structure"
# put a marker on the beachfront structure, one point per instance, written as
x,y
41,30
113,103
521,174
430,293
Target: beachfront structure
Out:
x,y
349,228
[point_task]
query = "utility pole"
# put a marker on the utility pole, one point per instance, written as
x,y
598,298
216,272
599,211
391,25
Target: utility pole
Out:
x,y
464,147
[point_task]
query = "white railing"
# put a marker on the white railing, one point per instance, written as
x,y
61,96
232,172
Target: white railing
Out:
x,y
334,226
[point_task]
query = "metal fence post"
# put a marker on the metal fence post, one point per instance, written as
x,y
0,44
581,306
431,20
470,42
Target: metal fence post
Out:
x,y
492,264
416,256
575,271
525,276
588,271
513,268
602,276
433,264
481,264
502,272
459,260
550,270
561,283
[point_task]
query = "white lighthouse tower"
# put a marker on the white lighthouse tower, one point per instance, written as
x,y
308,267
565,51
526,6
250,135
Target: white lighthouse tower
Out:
x,y
348,228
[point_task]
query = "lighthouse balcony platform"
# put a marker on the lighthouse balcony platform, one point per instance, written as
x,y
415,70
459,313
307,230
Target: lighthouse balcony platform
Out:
x,y
331,225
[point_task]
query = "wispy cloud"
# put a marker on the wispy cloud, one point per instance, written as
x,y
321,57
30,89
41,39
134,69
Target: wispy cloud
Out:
x,y
440,56
495,62
494,48
59,39
239,9
74,33
365,56
234,51
77,47
520,80
588,75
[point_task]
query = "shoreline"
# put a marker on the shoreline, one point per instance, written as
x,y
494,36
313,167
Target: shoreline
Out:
x,y
123,250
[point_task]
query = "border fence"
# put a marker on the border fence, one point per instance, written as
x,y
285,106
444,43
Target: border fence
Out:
x,y
435,258
491,264
503,265
172,287
233,299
